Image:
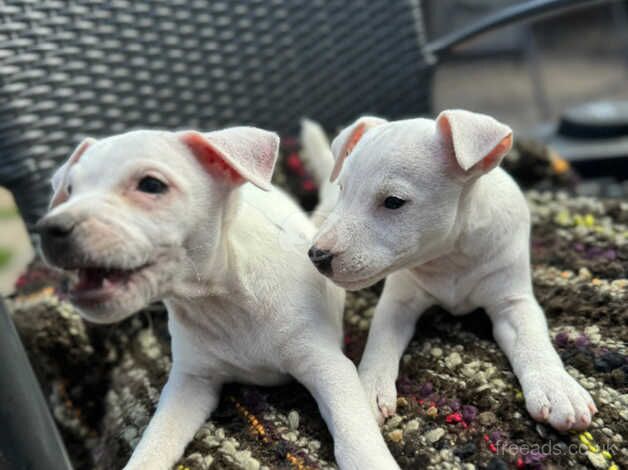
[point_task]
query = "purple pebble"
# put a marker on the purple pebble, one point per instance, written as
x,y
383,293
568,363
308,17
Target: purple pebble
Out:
x,y
454,405
469,412
426,389
496,437
562,339
582,341
611,254
533,457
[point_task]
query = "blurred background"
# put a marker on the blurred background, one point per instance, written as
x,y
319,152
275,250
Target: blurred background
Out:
x,y
551,65
566,78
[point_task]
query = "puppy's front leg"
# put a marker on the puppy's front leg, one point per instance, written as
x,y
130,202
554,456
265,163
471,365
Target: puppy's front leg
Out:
x,y
185,403
333,381
551,394
401,304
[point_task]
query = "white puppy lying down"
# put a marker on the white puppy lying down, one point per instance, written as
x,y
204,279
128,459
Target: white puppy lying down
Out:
x,y
424,204
152,215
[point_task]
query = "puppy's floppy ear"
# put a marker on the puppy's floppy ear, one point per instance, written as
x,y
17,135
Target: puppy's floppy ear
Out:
x,y
238,153
478,142
59,193
345,142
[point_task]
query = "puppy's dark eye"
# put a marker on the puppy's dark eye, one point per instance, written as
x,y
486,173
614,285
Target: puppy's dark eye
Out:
x,y
392,202
151,185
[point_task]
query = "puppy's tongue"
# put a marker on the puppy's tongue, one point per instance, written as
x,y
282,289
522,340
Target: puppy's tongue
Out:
x,y
97,278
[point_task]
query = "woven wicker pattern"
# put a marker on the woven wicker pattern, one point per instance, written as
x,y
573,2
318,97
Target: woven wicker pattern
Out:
x,y
95,67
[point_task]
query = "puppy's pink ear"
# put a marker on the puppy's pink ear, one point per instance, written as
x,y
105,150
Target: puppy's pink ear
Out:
x,y
345,142
238,153
59,190
479,142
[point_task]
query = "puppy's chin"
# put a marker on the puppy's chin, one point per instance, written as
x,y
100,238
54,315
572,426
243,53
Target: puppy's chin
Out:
x,y
110,309
357,284
105,314
357,281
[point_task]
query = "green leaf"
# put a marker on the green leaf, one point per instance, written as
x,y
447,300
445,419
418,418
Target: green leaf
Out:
x,y
5,257
8,213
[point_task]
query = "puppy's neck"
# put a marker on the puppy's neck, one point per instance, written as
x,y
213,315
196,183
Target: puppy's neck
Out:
x,y
481,221
452,248
211,269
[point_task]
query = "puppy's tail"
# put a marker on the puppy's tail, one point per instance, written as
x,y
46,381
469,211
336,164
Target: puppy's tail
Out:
x,y
318,159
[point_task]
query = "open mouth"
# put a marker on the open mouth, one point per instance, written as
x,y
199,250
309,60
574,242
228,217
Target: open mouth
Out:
x,y
96,284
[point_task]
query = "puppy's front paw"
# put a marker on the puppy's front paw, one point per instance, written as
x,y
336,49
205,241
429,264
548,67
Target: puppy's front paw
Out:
x,y
381,393
555,397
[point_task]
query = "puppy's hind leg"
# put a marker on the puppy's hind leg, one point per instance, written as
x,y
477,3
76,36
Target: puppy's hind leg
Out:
x,y
401,304
317,156
551,394
185,403
333,381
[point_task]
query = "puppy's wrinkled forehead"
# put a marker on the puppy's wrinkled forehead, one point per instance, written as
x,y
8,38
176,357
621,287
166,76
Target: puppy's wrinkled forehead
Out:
x,y
395,148
118,151
182,159
110,161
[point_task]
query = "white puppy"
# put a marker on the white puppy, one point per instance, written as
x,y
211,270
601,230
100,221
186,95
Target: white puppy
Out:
x,y
152,215
423,203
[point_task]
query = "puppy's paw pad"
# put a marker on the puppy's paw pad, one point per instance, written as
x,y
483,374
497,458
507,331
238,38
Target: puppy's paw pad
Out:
x,y
382,396
556,398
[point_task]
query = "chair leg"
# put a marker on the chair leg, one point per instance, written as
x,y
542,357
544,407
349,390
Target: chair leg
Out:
x,y
533,62
28,436
619,11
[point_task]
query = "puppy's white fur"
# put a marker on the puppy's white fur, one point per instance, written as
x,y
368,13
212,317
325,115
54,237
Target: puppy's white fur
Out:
x,y
242,306
461,240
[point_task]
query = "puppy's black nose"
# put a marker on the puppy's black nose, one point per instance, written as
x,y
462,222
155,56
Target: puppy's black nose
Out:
x,y
321,259
57,227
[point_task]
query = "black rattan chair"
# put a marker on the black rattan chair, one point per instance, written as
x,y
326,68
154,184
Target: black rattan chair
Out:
x,y
75,68
98,67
